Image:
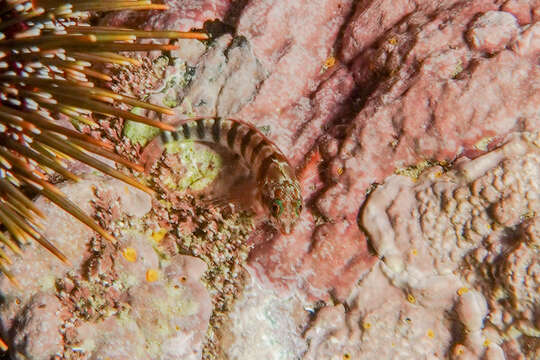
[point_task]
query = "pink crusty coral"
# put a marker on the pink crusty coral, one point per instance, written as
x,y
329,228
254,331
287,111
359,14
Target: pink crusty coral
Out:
x,y
411,89
107,304
430,96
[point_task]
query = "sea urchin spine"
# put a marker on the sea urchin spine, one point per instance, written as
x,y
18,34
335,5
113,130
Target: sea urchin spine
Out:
x,y
46,56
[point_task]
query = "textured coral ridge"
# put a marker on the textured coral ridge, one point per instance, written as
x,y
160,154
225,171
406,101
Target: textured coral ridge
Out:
x,y
352,91
120,301
460,271
458,275
434,96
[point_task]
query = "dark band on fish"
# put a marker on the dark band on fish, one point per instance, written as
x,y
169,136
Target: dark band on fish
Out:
x,y
245,142
265,164
200,129
216,130
257,149
187,134
231,136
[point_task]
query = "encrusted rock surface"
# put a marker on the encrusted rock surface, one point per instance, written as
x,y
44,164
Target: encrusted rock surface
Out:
x,y
492,31
457,275
354,91
117,301
465,241
263,325
436,99
182,15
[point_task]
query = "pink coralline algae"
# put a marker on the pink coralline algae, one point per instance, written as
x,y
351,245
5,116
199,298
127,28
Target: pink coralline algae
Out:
x,y
451,282
465,242
355,91
105,304
425,94
182,15
413,126
492,31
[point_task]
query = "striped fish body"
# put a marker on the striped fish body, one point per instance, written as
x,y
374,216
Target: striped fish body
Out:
x,y
278,187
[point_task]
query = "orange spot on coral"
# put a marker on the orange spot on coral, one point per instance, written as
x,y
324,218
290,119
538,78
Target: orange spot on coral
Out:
x,y
152,275
130,254
331,61
462,290
159,235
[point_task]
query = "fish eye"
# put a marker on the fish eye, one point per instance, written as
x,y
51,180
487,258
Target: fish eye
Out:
x,y
298,208
277,208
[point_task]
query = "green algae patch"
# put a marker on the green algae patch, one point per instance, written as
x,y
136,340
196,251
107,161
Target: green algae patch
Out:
x,y
457,70
483,143
47,283
139,133
179,303
127,280
414,171
175,82
201,166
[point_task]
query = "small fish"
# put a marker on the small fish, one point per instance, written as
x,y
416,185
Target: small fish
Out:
x,y
278,187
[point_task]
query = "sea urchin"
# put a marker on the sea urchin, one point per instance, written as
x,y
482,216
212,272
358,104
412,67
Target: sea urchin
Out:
x,y
47,53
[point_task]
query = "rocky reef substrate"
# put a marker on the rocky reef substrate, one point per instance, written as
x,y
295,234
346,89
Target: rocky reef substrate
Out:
x,y
414,129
